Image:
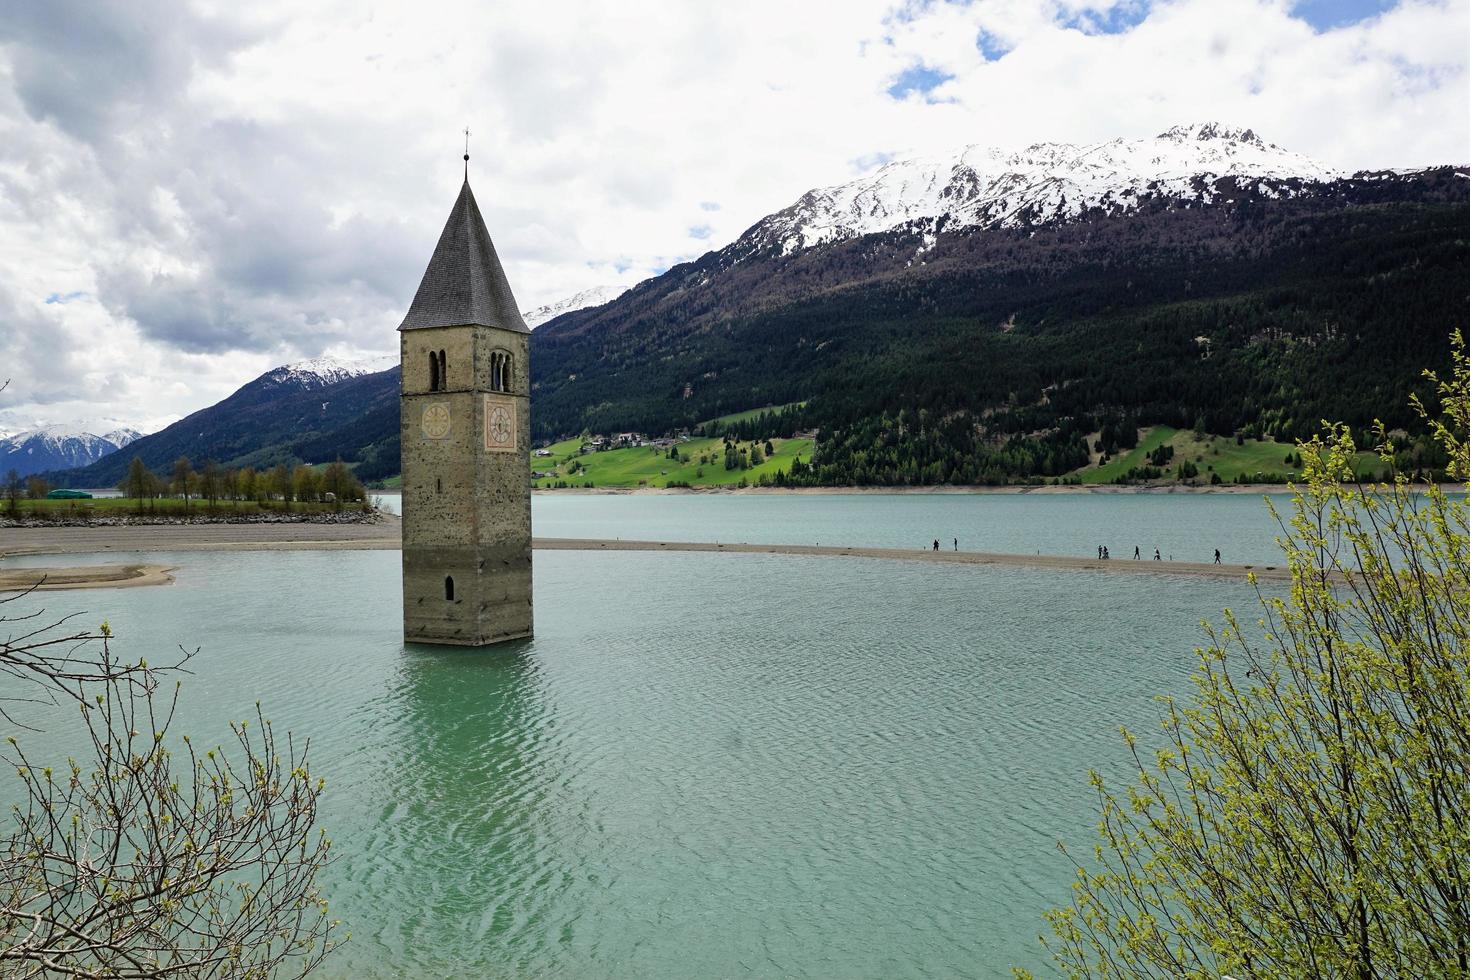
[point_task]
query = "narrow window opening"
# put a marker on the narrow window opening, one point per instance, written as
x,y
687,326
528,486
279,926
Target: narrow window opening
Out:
x,y
499,371
443,373
433,372
439,484
449,588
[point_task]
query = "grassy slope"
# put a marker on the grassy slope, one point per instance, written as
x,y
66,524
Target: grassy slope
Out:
x,y
650,466
745,416
1212,454
1152,439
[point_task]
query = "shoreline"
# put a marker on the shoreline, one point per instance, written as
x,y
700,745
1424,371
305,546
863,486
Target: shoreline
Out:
x,y
937,490
60,541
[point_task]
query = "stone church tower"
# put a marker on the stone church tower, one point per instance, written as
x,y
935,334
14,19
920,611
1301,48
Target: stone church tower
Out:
x,y
465,424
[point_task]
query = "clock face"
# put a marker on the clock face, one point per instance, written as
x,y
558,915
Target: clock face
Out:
x,y
500,424
435,421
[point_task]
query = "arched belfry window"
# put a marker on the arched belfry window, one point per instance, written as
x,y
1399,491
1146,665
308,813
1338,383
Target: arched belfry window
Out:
x,y
449,588
433,371
443,372
499,371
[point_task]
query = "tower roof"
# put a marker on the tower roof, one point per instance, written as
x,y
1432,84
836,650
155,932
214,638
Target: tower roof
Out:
x,y
464,283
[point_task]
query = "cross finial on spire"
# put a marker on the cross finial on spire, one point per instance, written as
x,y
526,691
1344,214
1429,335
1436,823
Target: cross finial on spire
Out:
x,y
466,153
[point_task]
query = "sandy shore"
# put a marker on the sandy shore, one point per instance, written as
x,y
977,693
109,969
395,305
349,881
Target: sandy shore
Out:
x,y
84,577
381,536
386,537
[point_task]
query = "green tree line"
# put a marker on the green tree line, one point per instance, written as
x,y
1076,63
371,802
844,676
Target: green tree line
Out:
x,y
210,484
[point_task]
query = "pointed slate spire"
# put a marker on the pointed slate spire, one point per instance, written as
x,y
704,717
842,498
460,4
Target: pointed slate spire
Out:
x,y
464,283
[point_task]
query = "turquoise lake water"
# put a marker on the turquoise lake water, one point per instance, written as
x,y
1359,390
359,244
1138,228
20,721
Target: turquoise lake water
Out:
x,y
706,765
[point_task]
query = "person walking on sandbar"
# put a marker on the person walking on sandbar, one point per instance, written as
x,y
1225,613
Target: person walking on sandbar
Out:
x,y
956,544
1217,556
1156,555
936,544
1136,554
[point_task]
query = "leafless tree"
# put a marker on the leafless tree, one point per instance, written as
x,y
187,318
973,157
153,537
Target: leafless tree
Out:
x,y
145,856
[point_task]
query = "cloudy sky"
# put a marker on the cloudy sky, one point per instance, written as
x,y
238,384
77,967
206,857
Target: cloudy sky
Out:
x,y
192,193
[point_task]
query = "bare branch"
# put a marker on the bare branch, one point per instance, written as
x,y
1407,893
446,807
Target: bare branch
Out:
x,y
153,859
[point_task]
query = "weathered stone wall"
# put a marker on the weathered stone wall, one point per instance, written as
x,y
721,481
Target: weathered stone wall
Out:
x,y
466,509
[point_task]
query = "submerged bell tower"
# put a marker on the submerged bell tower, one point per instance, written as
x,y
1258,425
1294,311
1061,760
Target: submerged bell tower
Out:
x,y
465,426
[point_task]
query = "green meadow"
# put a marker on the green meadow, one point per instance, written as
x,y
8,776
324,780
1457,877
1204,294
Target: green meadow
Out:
x,y
1254,458
701,463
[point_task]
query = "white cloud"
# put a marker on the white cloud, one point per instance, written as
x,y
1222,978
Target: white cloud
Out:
x,y
233,186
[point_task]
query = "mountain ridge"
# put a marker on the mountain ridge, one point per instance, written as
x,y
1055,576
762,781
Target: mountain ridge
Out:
x,y
980,321
60,445
986,186
595,296
1021,323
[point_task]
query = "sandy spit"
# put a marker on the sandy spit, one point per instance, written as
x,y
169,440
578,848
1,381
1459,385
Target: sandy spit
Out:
x,y
386,537
84,577
1056,562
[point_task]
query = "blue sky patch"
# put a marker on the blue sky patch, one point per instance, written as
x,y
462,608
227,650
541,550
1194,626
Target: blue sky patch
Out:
x,y
919,78
1326,15
709,205
700,231
61,299
1117,19
990,47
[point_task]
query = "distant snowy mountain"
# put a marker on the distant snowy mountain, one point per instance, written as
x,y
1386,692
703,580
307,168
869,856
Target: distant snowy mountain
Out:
x,y
319,372
53,447
310,411
122,437
595,296
1046,182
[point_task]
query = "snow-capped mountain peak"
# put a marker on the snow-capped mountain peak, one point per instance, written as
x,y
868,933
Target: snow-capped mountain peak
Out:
x,y
121,437
596,296
61,446
318,372
988,187
1213,131
84,430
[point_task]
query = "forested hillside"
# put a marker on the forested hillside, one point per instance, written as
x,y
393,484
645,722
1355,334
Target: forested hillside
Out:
x,y
989,355
281,417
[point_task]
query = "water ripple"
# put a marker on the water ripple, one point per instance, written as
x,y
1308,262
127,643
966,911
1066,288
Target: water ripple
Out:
x,y
703,765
